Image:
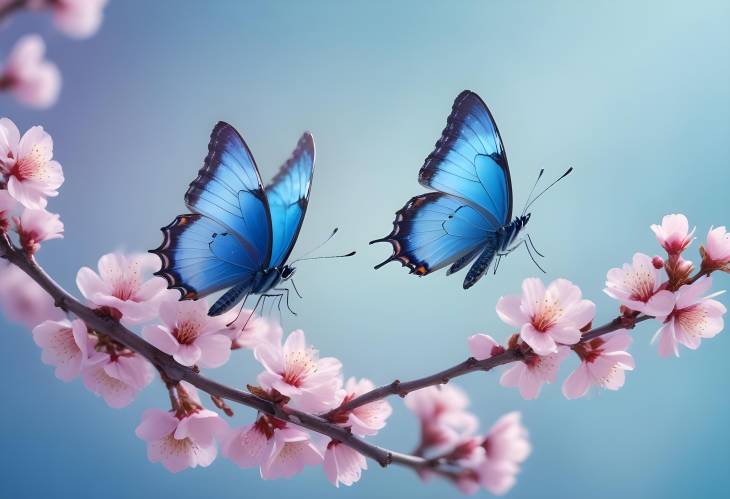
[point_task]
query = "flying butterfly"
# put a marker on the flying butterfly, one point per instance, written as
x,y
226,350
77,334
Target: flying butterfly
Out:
x,y
470,215
240,234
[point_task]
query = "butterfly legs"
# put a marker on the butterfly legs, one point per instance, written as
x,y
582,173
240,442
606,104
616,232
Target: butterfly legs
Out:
x,y
529,251
533,246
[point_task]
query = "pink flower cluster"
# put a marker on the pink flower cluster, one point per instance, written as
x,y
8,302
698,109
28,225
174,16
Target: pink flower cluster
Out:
x,y
25,73
552,320
448,434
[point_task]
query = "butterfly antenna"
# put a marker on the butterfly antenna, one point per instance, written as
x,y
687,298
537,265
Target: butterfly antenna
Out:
x,y
548,187
532,191
351,253
334,231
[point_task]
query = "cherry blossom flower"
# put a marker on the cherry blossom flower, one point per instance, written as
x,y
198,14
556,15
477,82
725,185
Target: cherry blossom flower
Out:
x,y
498,477
603,361
7,204
248,330
716,251
121,286
638,286
23,300
507,440
673,234
117,379
181,442
692,318
443,415
76,18
342,464
190,335
483,346
35,226
547,317
531,373
27,166
251,445
33,80
366,419
295,370
66,345
291,450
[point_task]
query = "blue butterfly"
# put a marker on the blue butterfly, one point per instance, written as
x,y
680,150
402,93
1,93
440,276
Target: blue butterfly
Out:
x,y
240,234
470,217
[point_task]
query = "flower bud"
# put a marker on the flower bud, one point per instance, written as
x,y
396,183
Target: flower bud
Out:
x,y
658,262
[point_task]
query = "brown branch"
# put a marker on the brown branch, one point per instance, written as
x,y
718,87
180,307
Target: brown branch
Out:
x,y
172,372
11,7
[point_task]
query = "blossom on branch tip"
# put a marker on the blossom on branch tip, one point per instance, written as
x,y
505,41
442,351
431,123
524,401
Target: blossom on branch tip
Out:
x,y
638,286
35,226
342,464
116,378
76,18
548,316
181,442
673,233
295,370
716,251
66,345
27,166
692,318
483,346
603,362
23,300
190,335
533,371
33,80
121,285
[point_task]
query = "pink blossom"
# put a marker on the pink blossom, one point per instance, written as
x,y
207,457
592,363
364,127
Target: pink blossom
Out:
x,y
366,419
180,443
673,234
638,287
547,317
23,300
37,225
66,345
291,450
32,79
603,362
7,204
117,379
121,285
77,18
443,415
498,477
483,346
530,374
295,370
717,248
248,330
26,163
251,445
507,440
692,318
342,464
190,335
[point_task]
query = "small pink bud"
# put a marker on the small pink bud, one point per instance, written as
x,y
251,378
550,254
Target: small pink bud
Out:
x,y
658,262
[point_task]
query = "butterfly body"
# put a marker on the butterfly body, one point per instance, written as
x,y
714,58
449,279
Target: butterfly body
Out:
x,y
469,217
240,234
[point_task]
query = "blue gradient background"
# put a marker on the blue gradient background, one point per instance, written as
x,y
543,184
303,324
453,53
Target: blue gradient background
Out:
x,y
633,95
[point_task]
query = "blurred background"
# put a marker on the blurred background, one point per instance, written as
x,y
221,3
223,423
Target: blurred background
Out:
x,y
634,95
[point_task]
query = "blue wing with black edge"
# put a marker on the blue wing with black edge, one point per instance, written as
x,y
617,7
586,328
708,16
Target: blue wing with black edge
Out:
x,y
469,160
228,190
434,230
288,197
199,256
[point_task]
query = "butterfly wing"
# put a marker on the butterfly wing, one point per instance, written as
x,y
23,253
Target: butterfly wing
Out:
x,y
435,230
229,191
288,197
469,160
228,238
199,256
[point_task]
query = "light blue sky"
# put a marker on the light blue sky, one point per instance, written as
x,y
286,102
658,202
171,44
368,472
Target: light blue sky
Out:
x,y
633,95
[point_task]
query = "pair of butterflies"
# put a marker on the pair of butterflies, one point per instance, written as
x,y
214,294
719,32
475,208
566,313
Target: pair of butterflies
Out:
x,y
241,234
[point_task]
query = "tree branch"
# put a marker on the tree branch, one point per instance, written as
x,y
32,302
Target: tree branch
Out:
x,y
8,8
